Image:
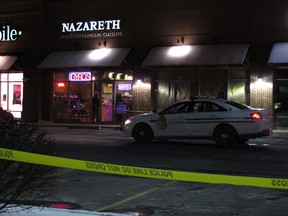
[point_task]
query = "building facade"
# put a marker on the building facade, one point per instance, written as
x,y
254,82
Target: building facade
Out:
x,y
140,55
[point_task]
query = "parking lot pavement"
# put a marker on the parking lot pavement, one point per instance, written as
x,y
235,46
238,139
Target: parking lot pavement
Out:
x,y
121,194
281,133
149,197
278,136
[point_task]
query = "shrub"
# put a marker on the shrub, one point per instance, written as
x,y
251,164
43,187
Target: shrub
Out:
x,y
20,182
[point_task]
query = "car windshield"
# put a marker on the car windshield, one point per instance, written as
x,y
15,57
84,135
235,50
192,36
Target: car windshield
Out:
x,y
238,105
177,108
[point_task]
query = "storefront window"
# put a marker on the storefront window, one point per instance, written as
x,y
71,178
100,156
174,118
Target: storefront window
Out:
x,y
281,98
237,91
61,77
227,83
73,94
124,100
72,98
12,92
212,88
115,75
107,102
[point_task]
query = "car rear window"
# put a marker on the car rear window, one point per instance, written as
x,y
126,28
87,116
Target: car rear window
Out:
x,y
238,105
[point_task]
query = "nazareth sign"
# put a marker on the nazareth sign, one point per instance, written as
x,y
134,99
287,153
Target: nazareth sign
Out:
x,y
91,29
8,33
91,26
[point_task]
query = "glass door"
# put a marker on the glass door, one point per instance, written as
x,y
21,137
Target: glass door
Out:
x,y
106,94
281,98
281,103
124,100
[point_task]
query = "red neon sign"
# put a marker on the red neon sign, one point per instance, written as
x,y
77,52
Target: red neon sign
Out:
x,y
61,84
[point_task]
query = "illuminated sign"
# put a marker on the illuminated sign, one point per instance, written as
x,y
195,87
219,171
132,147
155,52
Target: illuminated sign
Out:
x,y
80,76
91,26
7,33
124,87
61,84
91,29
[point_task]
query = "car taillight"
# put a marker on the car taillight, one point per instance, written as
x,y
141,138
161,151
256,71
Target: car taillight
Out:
x,y
256,115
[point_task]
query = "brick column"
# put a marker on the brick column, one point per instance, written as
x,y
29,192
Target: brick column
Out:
x,y
261,91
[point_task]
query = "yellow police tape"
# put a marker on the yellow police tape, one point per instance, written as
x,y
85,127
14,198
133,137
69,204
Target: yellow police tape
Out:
x,y
20,156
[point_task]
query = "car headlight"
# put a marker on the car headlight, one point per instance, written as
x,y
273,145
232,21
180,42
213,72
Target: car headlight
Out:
x,y
128,121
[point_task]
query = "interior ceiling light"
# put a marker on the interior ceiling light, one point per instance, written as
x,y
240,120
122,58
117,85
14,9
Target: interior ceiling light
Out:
x,y
99,53
179,51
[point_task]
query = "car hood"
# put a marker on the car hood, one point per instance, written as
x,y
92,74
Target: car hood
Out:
x,y
146,116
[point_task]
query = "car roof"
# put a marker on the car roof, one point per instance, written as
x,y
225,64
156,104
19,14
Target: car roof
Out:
x,y
220,101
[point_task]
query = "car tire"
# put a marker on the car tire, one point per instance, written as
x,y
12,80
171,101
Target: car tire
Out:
x,y
142,133
225,135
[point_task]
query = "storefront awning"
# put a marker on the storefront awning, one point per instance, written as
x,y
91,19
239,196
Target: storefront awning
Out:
x,y
197,55
279,54
85,58
7,61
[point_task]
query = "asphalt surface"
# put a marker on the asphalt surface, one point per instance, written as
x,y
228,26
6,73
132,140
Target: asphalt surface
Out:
x,y
150,197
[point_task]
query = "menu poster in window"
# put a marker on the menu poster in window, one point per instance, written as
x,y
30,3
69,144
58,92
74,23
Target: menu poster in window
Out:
x,y
16,94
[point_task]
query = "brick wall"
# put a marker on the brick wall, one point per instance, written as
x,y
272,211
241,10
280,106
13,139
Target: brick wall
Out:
x,y
261,92
142,97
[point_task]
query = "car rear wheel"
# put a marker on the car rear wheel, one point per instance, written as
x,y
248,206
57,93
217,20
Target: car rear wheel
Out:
x,y
142,133
225,135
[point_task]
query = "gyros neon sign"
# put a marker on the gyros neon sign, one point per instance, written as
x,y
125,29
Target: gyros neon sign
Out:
x,y
80,76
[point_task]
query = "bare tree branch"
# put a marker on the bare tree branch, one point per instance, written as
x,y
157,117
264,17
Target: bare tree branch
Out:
x,y
23,181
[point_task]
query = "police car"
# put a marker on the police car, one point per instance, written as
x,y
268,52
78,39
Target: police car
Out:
x,y
226,122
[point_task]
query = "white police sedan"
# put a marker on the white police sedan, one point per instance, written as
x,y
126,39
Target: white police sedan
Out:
x,y
224,121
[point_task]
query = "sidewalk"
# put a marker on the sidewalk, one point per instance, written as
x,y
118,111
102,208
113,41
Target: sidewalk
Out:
x,y
78,125
116,126
44,211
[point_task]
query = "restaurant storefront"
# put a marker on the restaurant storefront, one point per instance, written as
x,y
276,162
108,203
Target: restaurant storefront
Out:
x,y
73,88
73,92
200,70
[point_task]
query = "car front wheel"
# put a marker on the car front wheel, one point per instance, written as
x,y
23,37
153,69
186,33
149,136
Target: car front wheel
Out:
x,y
225,135
142,133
